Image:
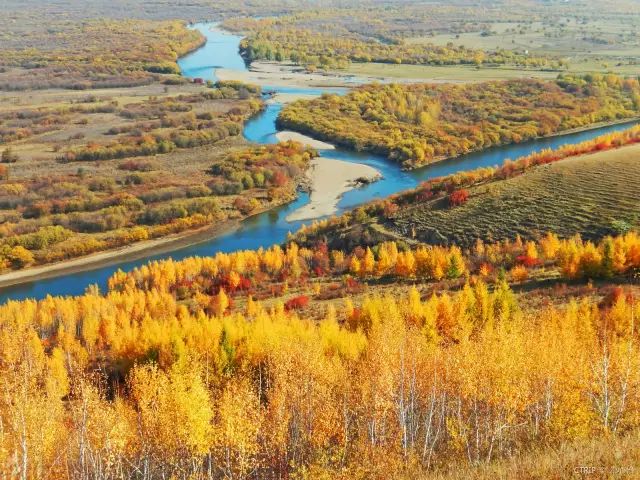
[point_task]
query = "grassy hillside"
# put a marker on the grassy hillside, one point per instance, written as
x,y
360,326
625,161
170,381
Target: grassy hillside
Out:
x,y
567,191
589,195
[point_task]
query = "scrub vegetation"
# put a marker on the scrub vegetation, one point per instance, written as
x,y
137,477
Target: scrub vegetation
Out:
x,y
525,36
104,145
136,52
60,217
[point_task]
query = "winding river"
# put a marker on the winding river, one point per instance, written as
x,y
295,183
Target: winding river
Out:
x,y
221,51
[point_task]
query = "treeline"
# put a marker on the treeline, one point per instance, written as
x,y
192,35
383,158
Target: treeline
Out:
x,y
83,234
422,123
143,382
255,272
146,145
20,124
318,44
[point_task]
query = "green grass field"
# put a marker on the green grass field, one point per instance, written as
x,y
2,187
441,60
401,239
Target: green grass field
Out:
x,y
469,73
451,73
608,36
595,46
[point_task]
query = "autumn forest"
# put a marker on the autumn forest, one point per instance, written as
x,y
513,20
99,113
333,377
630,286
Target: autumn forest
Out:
x,y
418,124
318,240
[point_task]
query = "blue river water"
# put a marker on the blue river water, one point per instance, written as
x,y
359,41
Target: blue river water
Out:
x,y
221,51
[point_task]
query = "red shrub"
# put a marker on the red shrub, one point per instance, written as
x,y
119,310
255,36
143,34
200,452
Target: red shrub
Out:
x,y
424,195
296,303
612,297
319,271
355,316
458,197
390,209
136,166
279,179
245,283
352,283
242,205
527,261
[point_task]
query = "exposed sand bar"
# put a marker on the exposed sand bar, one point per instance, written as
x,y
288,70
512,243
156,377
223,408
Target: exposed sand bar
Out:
x,y
281,97
285,136
287,75
329,179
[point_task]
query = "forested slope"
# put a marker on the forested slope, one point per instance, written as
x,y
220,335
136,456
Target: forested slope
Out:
x,y
178,371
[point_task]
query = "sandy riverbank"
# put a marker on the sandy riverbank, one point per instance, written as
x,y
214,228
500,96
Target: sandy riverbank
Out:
x,y
288,75
286,135
329,179
282,98
282,74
